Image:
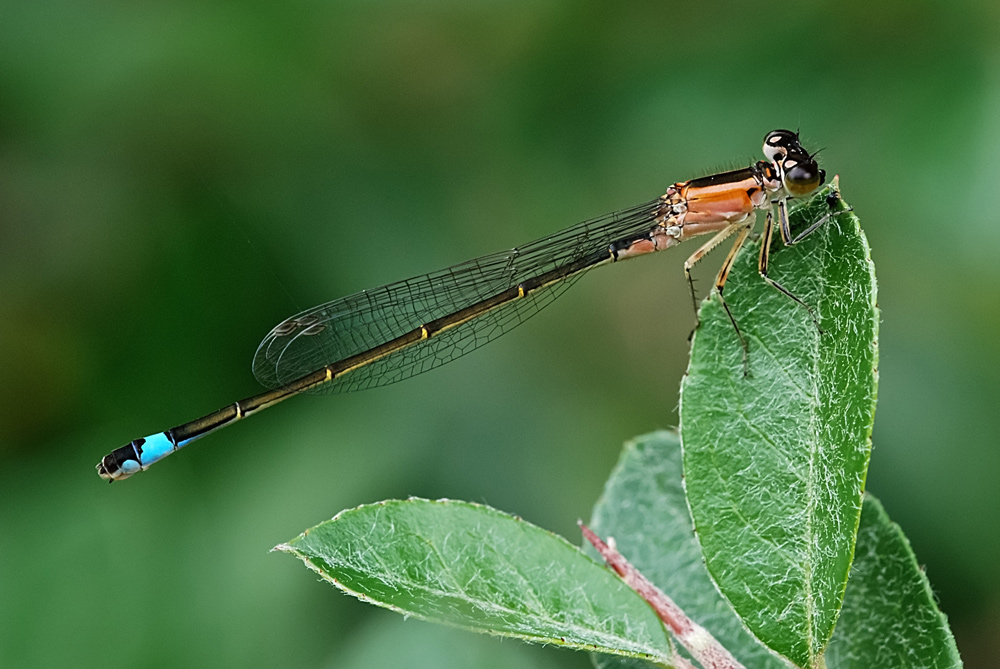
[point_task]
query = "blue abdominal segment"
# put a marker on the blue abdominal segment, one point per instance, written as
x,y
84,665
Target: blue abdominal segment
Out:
x,y
134,457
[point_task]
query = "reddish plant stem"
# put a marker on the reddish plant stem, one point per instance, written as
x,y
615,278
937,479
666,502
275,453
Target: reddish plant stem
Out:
x,y
695,638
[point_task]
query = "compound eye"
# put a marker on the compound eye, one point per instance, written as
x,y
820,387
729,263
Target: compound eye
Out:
x,y
802,176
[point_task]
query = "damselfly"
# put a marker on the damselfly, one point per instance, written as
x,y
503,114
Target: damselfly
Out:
x,y
387,334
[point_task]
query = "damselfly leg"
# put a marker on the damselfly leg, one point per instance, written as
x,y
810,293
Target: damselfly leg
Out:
x,y
720,284
781,207
697,256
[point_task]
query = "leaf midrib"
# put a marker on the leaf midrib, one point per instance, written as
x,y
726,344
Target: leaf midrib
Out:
x,y
810,599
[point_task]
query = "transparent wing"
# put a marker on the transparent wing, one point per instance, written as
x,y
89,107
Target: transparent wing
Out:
x,y
357,323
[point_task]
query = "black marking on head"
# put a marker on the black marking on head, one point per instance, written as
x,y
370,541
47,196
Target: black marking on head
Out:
x,y
781,138
778,144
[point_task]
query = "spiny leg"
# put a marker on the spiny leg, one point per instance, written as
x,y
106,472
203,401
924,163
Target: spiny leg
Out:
x,y
696,257
765,253
720,284
808,231
783,222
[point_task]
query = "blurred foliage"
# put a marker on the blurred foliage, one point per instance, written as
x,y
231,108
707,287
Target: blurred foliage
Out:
x,y
177,178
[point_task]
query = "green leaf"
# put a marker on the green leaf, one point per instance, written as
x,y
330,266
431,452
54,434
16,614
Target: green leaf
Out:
x,y
644,509
471,566
890,618
775,461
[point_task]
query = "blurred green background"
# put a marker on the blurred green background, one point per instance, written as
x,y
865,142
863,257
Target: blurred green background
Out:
x,y
177,178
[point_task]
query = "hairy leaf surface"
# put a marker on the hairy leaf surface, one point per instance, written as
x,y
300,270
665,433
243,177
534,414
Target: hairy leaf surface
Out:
x,y
775,460
471,566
